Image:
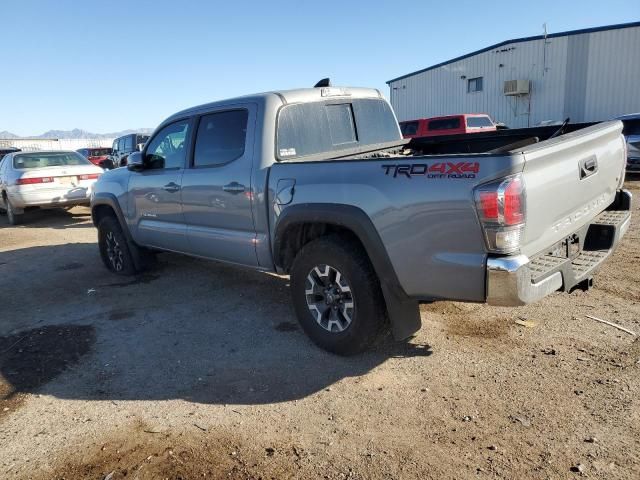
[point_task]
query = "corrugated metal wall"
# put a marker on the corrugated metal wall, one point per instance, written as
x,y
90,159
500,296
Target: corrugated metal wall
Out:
x,y
590,77
38,144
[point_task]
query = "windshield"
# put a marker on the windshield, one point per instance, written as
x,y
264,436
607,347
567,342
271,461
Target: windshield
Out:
x,y
99,152
306,129
52,159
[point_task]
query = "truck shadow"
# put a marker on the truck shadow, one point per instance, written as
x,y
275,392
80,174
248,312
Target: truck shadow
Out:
x,y
57,218
189,329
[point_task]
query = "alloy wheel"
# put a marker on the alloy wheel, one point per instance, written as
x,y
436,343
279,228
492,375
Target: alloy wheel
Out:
x,y
329,298
114,252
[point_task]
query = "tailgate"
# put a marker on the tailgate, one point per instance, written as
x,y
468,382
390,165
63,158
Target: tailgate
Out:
x,y
569,180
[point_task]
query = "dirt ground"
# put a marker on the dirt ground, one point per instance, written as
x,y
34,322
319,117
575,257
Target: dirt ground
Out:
x,y
198,370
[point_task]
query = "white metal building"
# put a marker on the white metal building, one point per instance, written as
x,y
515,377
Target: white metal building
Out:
x,y
588,75
37,144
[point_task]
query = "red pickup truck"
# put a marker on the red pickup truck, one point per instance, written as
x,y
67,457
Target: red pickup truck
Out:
x,y
447,125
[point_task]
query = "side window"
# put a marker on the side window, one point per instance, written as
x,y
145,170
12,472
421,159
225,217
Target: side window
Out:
x,y
128,143
474,85
444,124
121,145
114,147
221,138
168,148
409,128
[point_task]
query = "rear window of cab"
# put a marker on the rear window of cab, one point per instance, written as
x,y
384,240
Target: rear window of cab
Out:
x,y
331,126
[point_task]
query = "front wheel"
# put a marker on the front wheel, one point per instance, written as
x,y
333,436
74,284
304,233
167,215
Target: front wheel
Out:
x,y
337,295
114,248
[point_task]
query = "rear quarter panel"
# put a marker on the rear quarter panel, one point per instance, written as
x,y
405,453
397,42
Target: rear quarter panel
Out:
x,y
426,221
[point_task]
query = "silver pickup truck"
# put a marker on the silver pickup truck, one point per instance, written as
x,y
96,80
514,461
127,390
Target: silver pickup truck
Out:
x,y
319,184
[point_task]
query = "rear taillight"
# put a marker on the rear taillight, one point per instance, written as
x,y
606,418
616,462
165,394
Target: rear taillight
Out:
x,y
501,209
90,176
33,180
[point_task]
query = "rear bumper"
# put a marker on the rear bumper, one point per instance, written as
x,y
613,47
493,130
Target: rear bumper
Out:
x,y
518,280
35,198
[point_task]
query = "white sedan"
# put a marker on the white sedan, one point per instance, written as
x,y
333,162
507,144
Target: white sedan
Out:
x,y
44,179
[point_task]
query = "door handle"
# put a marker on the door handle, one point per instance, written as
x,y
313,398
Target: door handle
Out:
x,y
233,187
171,187
588,167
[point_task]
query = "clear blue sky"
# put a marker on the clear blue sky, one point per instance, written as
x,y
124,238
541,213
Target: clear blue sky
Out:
x,y
107,66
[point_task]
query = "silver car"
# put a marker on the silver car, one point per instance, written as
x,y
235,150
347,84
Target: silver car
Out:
x,y
631,132
44,179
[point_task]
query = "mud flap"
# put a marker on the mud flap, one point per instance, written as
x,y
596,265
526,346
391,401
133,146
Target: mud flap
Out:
x,y
404,314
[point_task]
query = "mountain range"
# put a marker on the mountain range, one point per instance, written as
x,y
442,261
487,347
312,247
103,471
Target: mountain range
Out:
x,y
75,133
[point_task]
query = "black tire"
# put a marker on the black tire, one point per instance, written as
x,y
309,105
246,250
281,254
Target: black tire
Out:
x,y
344,331
115,250
13,217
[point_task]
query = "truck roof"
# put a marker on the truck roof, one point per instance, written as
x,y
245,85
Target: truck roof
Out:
x,y
300,95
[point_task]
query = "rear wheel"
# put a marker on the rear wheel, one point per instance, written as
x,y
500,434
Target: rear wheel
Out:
x,y
337,295
13,217
115,250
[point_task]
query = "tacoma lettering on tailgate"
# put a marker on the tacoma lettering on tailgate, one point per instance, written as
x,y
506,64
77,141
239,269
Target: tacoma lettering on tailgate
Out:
x,y
434,170
575,217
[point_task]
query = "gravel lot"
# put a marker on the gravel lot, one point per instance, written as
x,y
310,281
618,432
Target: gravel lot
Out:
x,y
198,370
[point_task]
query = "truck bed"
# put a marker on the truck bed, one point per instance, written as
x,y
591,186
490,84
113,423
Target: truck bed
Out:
x,y
484,142
422,206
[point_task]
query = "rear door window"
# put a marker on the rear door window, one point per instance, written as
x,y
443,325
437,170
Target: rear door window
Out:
x,y
221,138
444,124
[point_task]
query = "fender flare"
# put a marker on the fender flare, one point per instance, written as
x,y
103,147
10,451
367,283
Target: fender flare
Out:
x,y
110,200
403,311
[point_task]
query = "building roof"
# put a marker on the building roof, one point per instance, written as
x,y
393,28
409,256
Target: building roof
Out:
x,y
520,40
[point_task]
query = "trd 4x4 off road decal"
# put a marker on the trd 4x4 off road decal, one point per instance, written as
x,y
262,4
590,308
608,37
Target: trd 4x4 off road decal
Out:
x,y
434,170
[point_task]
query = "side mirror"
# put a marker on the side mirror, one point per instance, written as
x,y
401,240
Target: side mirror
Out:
x,y
135,162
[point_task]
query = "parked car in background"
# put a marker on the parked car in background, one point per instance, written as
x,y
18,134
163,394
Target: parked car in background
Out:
x,y
98,156
5,150
319,184
126,145
44,179
448,125
631,132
